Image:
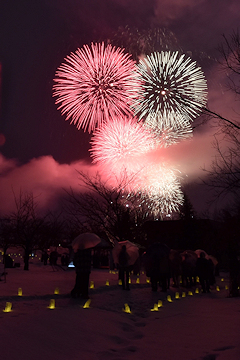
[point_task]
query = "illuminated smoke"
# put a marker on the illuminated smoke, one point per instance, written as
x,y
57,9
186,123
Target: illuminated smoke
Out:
x,y
172,85
96,84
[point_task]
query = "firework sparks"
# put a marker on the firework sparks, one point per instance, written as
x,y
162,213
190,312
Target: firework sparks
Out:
x,y
138,42
161,189
121,143
96,84
172,84
169,131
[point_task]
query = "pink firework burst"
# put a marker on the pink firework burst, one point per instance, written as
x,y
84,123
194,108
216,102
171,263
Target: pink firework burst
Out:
x,y
121,144
96,84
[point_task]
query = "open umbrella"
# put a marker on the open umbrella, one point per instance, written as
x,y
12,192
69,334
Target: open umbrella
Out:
x,y
199,251
131,248
85,241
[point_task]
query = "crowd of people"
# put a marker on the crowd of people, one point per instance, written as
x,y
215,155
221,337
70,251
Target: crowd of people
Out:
x,y
159,268
161,265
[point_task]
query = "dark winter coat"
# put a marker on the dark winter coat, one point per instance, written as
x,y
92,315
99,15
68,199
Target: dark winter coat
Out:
x,y
82,261
123,259
203,268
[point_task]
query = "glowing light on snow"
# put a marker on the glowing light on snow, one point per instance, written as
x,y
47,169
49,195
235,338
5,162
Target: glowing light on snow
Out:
x,y
120,144
56,291
172,83
8,307
51,304
87,304
19,291
96,84
127,309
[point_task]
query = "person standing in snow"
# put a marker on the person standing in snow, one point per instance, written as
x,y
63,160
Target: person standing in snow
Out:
x,y
203,269
123,261
82,261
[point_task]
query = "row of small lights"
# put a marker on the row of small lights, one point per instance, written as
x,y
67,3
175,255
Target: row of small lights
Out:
x,y
19,255
8,307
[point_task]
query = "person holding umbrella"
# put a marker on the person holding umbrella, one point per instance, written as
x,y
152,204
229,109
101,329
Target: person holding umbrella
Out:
x,y
125,254
82,261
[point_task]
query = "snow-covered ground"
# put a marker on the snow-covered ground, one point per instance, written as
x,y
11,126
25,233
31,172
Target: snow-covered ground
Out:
x,y
202,326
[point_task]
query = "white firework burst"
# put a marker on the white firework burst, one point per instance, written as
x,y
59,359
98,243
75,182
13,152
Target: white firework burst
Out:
x,y
171,84
161,189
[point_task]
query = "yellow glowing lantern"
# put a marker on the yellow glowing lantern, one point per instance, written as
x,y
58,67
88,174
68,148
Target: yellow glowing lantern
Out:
x,y
129,281
217,288
155,307
119,282
197,279
222,279
107,283
142,272
19,291
169,299
190,293
87,304
56,291
177,295
226,287
147,280
138,281
127,309
52,304
160,303
91,285
8,307
183,294
110,271
197,291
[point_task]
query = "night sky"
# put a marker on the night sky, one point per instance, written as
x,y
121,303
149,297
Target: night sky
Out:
x,y
35,36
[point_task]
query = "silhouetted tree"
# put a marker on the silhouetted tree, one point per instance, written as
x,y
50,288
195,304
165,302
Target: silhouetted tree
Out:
x,y
224,174
26,224
186,210
102,208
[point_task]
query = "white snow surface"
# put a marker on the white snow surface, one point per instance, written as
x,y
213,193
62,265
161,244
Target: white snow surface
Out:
x,y
202,326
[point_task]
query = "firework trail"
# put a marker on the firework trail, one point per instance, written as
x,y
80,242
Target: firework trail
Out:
x,y
121,144
173,87
96,84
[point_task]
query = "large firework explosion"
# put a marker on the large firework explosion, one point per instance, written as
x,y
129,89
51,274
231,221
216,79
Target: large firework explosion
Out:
x,y
96,84
172,85
161,189
121,144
